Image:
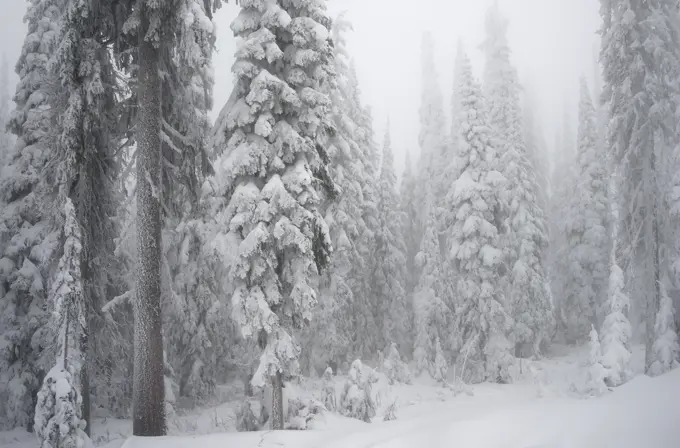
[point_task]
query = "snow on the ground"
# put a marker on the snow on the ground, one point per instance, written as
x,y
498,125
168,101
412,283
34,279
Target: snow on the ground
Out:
x,y
541,410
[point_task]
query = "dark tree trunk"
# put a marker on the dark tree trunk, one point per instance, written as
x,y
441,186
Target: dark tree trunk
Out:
x,y
148,390
277,401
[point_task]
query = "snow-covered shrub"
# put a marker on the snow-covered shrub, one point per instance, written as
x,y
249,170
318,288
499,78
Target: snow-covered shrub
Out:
x,y
246,420
440,367
391,412
329,398
394,368
57,421
302,412
665,348
595,372
356,400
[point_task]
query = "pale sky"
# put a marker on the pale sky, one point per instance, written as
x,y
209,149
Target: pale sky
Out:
x,y
552,43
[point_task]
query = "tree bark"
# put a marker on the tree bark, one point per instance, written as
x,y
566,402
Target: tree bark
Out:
x,y
277,401
149,387
654,299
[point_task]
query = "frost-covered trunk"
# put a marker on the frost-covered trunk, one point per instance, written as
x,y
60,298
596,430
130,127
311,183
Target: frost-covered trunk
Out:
x,y
277,401
148,389
654,296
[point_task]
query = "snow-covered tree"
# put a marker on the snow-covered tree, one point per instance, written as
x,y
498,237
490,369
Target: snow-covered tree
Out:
x,y
410,227
440,367
596,373
345,323
270,177
395,369
431,313
641,63
432,136
616,330
356,400
392,313
537,148
29,238
475,249
525,234
6,140
329,396
587,227
58,415
665,349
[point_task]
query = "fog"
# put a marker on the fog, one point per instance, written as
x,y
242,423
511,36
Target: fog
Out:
x,y
553,43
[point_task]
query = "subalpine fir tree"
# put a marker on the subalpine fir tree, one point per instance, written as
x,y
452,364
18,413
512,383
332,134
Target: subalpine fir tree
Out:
x,y
475,249
59,420
432,135
271,175
641,92
525,236
410,223
666,347
429,309
6,140
29,233
616,330
345,324
587,227
393,313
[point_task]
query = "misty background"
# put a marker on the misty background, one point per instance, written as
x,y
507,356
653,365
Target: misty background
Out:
x,y
553,43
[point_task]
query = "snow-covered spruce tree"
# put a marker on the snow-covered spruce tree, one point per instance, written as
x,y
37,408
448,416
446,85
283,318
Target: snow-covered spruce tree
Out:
x,y
431,314
356,399
59,420
410,223
587,227
193,312
616,330
87,145
641,63
595,371
562,273
271,175
665,349
455,99
474,243
432,135
29,233
6,140
344,315
525,234
537,149
392,312
440,367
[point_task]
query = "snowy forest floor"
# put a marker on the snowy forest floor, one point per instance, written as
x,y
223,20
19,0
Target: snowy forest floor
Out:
x,y
543,409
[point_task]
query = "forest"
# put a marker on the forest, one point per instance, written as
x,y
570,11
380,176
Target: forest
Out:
x,y
153,260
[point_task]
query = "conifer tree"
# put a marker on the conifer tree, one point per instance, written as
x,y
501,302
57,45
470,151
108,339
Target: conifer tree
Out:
x,y
271,175
587,226
475,249
59,420
430,311
432,135
389,261
410,223
641,93
525,236
29,235
616,330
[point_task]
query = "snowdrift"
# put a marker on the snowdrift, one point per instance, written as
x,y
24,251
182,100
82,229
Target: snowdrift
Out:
x,y
644,413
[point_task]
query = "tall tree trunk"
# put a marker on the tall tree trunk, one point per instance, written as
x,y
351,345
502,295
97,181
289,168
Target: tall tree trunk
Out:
x,y
149,390
654,299
277,401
